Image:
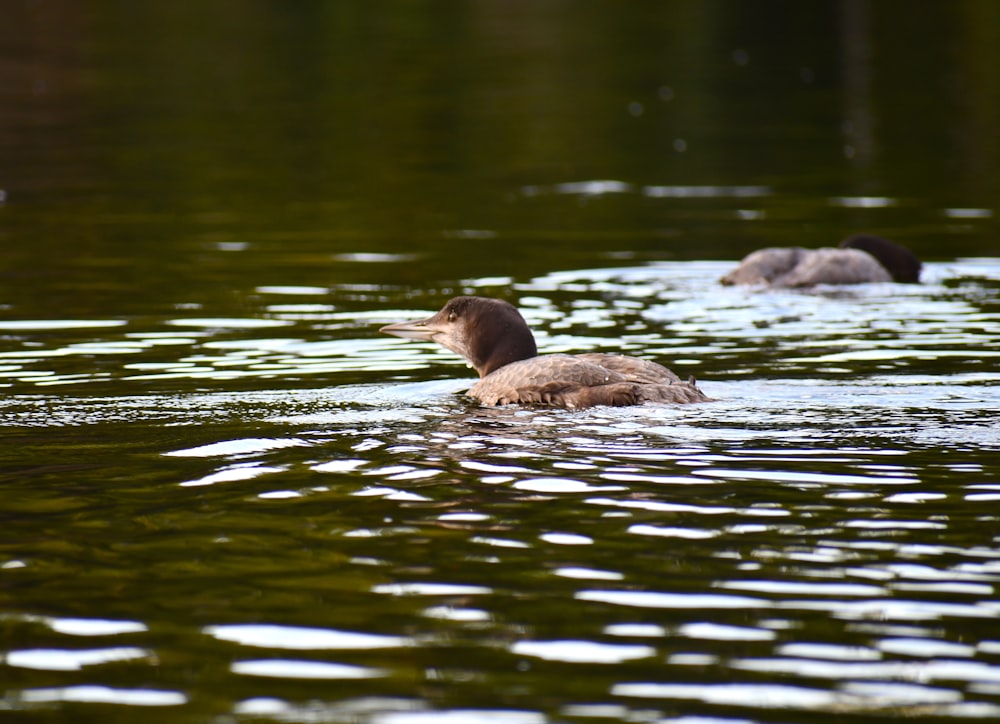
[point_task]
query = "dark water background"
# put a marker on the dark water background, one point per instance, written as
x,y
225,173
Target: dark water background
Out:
x,y
226,498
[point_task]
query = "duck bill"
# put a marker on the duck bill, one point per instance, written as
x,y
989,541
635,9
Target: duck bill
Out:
x,y
422,329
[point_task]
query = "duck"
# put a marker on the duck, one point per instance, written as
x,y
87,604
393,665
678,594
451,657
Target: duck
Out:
x,y
495,340
859,259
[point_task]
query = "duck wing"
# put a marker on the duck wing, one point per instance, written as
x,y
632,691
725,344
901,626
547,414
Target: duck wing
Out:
x,y
632,369
835,266
579,381
541,380
766,265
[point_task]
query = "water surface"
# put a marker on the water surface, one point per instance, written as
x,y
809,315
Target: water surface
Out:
x,y
820,536
227,498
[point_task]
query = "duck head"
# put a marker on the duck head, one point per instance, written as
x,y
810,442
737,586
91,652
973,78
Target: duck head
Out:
x,y
488,333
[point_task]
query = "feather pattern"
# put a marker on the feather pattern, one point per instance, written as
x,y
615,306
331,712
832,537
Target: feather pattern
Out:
x,y
496,340
859,259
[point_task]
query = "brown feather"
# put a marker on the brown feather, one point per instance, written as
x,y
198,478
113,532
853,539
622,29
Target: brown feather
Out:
x,y
495,339
584,380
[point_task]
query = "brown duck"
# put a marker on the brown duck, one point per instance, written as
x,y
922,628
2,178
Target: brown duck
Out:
x,y
496,341
860,259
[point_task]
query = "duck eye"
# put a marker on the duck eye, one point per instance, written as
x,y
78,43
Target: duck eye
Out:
x,y
452,316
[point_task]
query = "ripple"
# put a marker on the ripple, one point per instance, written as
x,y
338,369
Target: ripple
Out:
x,y
665,507
105,695
462,615
340,466
894,610
244,446
754,695
368,257
673,532
588,574
837,652
719,632
499,542
582,652
800,477
706,192
462,716
925,648
794,697
229,322
582,188
233,474
72,660
561,485
691,601
292,669
567,539
430,589
804,588
863,202
895,524
635,630
16,325
824,669
292,290
298,637
94,626
814,529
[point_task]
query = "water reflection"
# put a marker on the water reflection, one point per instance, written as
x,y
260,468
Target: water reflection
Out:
x,y
657,310
103,695
228,499
815,538
291,669
72,660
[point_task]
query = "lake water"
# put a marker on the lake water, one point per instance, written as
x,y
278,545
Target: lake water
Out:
x,y
227,498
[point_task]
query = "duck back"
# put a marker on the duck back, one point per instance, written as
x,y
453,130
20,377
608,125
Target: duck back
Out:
x,y
586,380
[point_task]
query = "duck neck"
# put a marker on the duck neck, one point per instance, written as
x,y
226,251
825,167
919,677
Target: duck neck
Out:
x,y
510,343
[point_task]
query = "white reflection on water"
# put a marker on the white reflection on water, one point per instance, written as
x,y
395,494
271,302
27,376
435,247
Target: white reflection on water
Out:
x,y
660,310
896,610
819,523
236,447
232,474
290,669
94,626
654,599
791,697
582,652
292,290
454,613
566,539
588,574
562,485
931,670
662,531
799,588
635,630
72,659
601,187
719,632
105,695
21,325
316,711
835,652
228,322
300,637
461,716
430,589
926,648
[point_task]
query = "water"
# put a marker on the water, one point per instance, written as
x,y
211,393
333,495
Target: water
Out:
x,y
227,498
819,538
